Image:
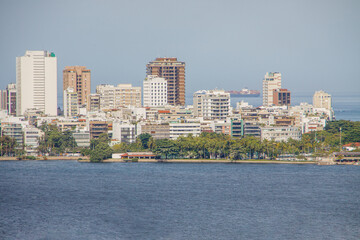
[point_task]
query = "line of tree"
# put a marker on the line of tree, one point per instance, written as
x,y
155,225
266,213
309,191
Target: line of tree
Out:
x,y
99,149
207,145
212,145
8,146
55,142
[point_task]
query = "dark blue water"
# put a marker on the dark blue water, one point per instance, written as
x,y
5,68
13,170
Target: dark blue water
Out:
x,y
71,200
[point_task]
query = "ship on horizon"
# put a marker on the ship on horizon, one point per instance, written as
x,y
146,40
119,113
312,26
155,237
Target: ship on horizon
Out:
x,y
245,92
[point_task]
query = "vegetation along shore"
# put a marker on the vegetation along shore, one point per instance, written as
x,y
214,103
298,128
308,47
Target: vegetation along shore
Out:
x,y
208,147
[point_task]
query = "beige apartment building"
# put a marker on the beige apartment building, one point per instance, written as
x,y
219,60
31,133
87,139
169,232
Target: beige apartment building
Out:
x,y
174,73
122,95
272,81
322,99
78,78
93,102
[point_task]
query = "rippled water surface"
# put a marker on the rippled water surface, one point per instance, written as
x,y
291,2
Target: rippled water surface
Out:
x,y
71,200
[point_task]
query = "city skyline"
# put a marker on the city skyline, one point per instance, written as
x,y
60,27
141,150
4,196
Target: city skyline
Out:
x,y
316,44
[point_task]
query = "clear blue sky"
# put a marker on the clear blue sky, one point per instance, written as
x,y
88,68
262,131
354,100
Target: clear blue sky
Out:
x,y
225,44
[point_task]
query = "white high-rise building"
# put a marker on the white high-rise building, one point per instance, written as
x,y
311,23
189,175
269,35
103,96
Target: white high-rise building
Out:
x,y
322,99
211,104
36,82
155,91
272,81
71,107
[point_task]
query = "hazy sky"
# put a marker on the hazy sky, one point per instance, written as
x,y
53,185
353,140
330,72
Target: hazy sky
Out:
x,y
225,44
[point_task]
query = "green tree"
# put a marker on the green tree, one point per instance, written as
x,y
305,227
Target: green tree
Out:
x,y
167,147
144,140
101,151
8,146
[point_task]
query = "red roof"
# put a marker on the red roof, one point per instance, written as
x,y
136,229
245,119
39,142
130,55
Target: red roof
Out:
x,y
355,144
164,111
137,155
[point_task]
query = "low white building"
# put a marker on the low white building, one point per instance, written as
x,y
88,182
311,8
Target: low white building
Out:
x,y
280,133
184,128
82,138
311,124
124,132
32,136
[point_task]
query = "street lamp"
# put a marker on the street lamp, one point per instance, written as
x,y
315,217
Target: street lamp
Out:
x,y
340,139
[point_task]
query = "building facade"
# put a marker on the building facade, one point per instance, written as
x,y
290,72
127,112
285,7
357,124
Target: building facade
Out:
x,y
155,91
280,133
281,97
272,80
13,130
97,128
237,127
78,78
36,82
211,104
178,129
322,99
122,95
124,132
82,138
71,107
32,136
157,131
174,73
11,99
93,103
3,100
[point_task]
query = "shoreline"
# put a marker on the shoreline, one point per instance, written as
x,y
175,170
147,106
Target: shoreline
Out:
x,y
250,161
253,161
87,160
48,158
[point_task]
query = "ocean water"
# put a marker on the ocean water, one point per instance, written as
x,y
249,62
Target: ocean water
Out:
x,y
71,200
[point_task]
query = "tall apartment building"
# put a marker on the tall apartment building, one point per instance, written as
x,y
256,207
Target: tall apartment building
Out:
x,y
3,100
70,98
78,78
322,99
174,73
272,80
8,99
11,99
281,97
122,95
36,82
211,104
155,91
